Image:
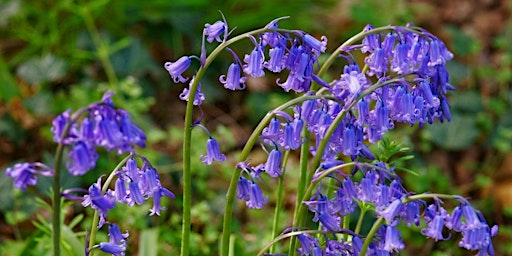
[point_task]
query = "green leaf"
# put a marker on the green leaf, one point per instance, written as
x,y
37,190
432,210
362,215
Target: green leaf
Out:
x,y
149,242
40,70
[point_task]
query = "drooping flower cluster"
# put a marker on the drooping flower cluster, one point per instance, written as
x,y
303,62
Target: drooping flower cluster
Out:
x,y
134,185
381,188
104,126
404,80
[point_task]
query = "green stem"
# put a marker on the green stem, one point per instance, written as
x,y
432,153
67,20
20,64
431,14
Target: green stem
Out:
x,y
346,225
279,201
303,178
360,219
372,233
293,234
56,196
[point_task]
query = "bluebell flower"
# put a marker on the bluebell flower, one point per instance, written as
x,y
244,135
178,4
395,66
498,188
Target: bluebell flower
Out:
x,y
215,31
401,64
411,213
199,97
120,192
243,189
58,125
255,60
317,45
233,80
291,137
392,241
273,132
454,222
435,222
277,60
273,164
392,211
108,133
370,42
82,157
307,242
177,68
117,241
152,188
353,81
212,152
377,62
132,133
99,201
114,249
136,195
438,53
476,235
24,174
256,197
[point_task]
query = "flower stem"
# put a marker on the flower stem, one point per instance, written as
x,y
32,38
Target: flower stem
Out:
x,y
360,220
56,197
370,235
279,201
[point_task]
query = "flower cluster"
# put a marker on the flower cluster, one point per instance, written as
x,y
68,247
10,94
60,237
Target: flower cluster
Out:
x,y
104,126
382,189
134,185
404,80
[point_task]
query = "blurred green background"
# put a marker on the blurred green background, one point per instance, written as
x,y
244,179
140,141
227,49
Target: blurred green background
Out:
x,y
61,54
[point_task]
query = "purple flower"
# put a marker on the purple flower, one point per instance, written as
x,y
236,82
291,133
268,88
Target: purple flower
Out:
x,y
370,42
256,198
24,174
136,195
317,45
291,138
377,62
98,201
276,63
255,60
152,188
199,97
391,211
273,165
307,243
233,81
83,157
243,189
438,53
392,240
435,223
117,241
212,152
58,125
177,68
214,31
108,133
476,235
132,133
